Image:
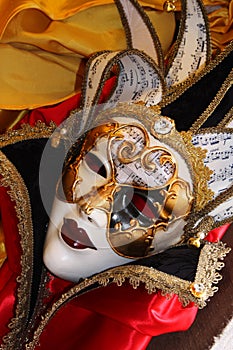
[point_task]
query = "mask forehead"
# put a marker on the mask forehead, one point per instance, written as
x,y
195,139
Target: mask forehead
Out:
x,y
138,160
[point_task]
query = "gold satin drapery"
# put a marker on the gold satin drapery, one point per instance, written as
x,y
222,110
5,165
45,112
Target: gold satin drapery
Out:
x,y
221,22
44,43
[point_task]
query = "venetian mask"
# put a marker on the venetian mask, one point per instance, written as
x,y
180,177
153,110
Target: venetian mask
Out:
x,y
128,187
124,195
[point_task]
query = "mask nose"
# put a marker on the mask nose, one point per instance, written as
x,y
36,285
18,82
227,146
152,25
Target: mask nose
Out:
x,y
101,198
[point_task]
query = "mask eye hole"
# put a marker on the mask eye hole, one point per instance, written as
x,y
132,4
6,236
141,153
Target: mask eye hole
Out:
x,y
144,206
95,164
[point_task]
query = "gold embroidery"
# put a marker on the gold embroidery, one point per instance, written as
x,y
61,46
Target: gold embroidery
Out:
x,y
202,193
19,195
176,91
26,132
207,271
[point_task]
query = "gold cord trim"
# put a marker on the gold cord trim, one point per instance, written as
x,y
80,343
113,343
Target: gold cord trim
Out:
x,y
180,38
26,132
19,194
151,29
227,119
214,103
176,91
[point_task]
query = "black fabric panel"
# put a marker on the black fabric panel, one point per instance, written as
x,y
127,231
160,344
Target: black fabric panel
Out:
x,y
26,157
178,261
192,103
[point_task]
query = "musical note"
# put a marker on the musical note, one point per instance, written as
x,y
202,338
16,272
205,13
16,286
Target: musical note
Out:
x,y
222,174
224,214
212,139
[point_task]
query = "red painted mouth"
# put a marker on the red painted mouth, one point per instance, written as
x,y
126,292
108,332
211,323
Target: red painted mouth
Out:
x,y
76,237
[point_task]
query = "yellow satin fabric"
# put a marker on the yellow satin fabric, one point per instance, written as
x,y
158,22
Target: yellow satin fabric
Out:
x,y
221,23
44,43
220,16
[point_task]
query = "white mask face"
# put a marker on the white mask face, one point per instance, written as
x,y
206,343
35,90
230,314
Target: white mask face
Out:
x,y
82,249
124,196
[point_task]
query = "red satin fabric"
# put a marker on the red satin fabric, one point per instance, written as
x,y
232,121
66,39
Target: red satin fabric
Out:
x,y
115,318
86,330
110,317
217,234
11,267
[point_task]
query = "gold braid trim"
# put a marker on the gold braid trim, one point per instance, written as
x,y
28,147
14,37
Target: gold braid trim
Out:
x,y
19,195
227,84
26,132
176,91
153,280
202,193
207,271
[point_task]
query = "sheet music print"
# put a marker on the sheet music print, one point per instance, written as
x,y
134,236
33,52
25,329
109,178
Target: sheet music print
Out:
x,y
137,77
193,46
219,159
223,211
134,173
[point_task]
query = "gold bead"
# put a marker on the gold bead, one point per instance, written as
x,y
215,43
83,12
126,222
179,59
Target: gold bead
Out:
x,y
197,289
169,6
55,139
195,242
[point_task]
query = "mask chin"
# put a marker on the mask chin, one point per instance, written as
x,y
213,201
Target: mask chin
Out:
x,y
73,265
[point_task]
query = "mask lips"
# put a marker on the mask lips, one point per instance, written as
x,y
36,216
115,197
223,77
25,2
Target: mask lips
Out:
x,y
76,237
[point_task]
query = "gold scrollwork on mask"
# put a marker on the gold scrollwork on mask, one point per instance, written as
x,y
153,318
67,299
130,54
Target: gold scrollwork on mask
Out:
x,y
137,241
148,167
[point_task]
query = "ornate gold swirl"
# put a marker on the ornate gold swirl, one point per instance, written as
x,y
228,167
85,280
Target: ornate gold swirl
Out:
x,y
126,153
125,140
133,146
